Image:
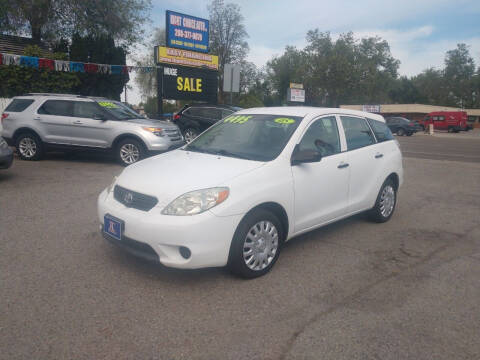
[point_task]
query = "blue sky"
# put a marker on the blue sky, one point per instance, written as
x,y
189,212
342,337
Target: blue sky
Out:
x,y
419,31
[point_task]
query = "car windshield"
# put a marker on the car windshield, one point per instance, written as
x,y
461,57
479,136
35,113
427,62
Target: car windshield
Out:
x,y
247,136
118,110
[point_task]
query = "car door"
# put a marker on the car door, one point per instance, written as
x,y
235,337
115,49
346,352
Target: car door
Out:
x,y
90,125
362,157
54,118
321,188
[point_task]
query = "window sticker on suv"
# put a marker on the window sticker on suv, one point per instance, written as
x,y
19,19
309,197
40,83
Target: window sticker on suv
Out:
x,y
107,104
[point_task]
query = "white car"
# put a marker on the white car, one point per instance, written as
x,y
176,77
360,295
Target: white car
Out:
x,y
249,183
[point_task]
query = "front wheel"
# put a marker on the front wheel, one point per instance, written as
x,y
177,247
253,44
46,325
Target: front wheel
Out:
x,y
190,134
385,203
400,132
130,151
256,244
29,147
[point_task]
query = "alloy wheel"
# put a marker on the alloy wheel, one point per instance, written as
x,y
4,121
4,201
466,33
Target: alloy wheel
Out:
x,y
129,153
387,201
27,147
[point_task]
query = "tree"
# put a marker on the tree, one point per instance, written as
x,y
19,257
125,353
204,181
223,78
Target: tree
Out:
x,y
147,82
48,20
404,91
431,87
459,71
227,35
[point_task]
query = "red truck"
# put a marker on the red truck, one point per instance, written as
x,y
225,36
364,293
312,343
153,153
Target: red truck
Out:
x,y
452,121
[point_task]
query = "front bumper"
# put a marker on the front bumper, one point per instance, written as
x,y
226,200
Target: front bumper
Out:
x,y
157,237
6,158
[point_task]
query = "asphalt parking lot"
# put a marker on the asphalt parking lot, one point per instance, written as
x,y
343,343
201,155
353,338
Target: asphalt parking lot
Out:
x,y
406,289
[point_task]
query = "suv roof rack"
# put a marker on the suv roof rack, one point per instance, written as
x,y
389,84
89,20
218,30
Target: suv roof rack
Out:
x,y
53,94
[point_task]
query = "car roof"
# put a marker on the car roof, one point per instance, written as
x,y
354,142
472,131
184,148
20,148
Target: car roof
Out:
x,y
303,111
59,96
220,106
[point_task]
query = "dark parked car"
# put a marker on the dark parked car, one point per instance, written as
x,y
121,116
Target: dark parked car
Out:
x,y
6,155
402,126
194,119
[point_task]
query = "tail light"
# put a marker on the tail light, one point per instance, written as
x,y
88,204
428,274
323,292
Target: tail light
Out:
x,y
176,117
4,116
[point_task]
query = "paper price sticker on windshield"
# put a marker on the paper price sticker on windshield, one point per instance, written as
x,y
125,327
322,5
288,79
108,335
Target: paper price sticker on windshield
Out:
x,y
285,121
237,119
107,104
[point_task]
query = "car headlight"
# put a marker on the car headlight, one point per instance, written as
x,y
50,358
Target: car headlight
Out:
x,y
155,130
196,202
3,144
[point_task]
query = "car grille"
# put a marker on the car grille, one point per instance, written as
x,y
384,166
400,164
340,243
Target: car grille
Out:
x,y
173,134
134,199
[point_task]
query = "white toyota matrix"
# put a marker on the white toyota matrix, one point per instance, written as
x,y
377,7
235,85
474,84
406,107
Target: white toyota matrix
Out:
x,y
249,183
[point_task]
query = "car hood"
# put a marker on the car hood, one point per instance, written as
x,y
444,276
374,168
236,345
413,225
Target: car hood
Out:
x,y
153,123
174,173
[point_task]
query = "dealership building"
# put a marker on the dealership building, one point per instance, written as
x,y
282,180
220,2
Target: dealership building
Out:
x,y
414,111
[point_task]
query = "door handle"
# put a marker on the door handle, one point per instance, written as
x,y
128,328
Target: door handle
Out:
x,y
78,122
37,118
378,156
343,165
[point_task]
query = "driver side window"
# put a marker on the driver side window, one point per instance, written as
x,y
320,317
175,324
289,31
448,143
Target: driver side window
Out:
x,y
322,136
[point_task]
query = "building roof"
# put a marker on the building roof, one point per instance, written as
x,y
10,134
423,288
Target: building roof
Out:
x,y
413,108
16,44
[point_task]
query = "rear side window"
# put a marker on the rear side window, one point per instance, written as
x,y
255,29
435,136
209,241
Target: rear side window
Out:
x,y
56,107
382,132
210,113
18,105
357,132
85,109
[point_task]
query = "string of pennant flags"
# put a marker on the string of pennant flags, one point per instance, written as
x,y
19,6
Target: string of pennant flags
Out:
x,y
71,66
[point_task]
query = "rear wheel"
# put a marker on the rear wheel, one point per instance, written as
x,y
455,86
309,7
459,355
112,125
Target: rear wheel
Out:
x,y
256,244
190,134
400,132
29,146
130,151
385,203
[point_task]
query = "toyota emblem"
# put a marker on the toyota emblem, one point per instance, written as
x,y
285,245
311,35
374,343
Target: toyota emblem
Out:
x,y
128,198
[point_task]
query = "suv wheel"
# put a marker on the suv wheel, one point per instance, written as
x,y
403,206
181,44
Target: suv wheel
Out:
x,y
385,204
256,244
29,147
189,134
130,151
400,132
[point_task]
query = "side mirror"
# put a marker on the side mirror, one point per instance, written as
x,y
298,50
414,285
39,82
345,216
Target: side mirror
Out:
x,y
305,156
99,117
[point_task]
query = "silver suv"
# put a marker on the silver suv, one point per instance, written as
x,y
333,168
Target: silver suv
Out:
x,y
35,123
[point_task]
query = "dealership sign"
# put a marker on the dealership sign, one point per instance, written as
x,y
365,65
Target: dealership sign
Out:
x,y
186,83
187,32
296,95
185,58
371,108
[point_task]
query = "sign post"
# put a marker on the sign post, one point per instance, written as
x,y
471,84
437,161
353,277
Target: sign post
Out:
x,y
231,79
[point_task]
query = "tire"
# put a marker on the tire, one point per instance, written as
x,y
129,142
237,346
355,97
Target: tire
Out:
x,y
383,211
450,130
410,134
400,132
190,133
29,146
249,236
129,151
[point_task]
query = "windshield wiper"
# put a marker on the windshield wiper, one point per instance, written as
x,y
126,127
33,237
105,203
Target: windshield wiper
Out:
x,y
228,153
